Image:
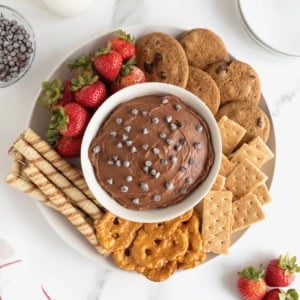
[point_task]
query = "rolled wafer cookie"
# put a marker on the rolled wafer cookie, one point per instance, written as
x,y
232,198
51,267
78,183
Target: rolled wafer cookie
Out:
x,y
57,178
63,205
28,188
64,166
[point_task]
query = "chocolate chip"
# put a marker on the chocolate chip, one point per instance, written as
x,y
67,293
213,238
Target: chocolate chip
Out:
x,y
136,201
124,188
260,122
156,197
157,58
129,178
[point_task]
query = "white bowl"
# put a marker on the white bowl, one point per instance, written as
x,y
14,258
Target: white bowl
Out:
x,y
151,215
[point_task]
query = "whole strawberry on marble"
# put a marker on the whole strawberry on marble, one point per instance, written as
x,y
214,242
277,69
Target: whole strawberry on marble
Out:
x,y
281,271
251,284
279,294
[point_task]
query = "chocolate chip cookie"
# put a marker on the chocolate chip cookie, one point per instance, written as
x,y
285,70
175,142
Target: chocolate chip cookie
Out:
x,y
203,47
237,81
252,118
162,58
203,86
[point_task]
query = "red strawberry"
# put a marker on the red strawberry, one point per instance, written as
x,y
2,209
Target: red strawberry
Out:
x,y
55,93
124,44
108,63
91,96
70,121
281,271
251,285
278,294
129,76
69,146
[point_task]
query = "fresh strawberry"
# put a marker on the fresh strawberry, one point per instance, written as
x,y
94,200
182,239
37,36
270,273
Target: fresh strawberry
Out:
x,y
281,271
251,285
88,90
108,63
55,93
91,96
129,75
124,44
69,146
70,121
278,294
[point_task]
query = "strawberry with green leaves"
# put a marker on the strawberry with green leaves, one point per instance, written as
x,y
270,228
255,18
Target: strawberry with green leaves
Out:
x,y
88,90
251,285
130,74
55,93
279,294
124,44
70,121
69,146
281,271
108,63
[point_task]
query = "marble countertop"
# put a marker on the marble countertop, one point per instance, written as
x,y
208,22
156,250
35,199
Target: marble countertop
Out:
x,y
61,270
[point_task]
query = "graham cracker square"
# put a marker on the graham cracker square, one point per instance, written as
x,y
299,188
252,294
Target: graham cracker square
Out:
x,y
216,222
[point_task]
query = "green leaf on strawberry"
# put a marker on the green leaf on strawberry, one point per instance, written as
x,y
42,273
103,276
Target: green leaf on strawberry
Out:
x,y
55,93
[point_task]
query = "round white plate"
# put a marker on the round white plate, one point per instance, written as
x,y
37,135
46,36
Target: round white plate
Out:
x,y
274,24
40,119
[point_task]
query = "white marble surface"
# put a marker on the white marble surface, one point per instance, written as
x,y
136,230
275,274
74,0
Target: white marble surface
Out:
x,y
64,272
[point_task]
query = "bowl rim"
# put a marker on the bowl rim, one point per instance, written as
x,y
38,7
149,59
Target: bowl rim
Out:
x,y
158,214
24,71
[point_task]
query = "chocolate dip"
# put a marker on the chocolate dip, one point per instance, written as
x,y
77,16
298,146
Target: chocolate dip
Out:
x,y
151,152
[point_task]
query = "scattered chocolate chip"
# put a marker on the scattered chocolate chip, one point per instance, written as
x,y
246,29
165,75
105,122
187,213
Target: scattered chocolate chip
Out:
x,y
164,100
169,119
197,145
191,161
189,180
118,163
177,147
119,121
110,162
156,197
129,178
127,128
124,137
119,145
126,163
155,151
133,149
124,188
129,143
178,107
109,181
173,126
169,141
183,191
182,142
135,111
144,186
155,120
182,169
164,162
136,201
162,135
145,131
145,147
173,159
169,186
96,149
148,163
199,127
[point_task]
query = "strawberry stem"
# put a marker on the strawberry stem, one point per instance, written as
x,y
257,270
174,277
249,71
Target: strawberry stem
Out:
x,y
52,91
125,36
58,121
288,264
251,273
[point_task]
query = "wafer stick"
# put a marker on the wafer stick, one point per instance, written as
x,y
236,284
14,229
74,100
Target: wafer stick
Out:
x,y
28,188
58,179
63,206
65,167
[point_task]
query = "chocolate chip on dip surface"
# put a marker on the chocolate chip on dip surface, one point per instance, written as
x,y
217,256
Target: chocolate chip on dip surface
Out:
x,y
151,152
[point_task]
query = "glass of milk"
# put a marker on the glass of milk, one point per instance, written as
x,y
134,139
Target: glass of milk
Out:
x,y
68,8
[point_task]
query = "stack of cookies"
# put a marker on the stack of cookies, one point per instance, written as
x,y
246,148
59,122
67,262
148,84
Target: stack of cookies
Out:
x,y
198,60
